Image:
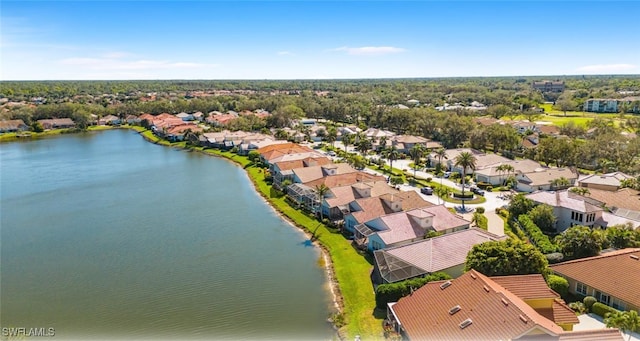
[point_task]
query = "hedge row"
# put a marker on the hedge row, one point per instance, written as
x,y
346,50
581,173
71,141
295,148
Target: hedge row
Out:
x,y
539,239
386,293
601,309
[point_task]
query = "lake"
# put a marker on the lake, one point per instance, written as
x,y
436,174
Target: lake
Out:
x,y
105,235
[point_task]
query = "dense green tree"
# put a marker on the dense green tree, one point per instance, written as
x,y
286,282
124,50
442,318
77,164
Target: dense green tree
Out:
x,y
519,205
558,284
508,257
627,321
417,152
622,236
580,242
543,216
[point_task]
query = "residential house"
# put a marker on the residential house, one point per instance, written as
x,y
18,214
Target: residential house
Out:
x,y
283,170
547,129
177,133
365,209
10,126
542,179
272,152
446,253
490,174
133,119
570,209
624,202
476,307
220,120
336,202
404,143
57,123
523,126
185,117
109,120
299,193
613,278
607,182
404,227
451,157
199,116
548,86
347,179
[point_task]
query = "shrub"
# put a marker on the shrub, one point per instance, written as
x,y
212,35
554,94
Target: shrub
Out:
x,y
578,307
558,284
589,301
601,309
466,195
386,293
489,188
483,184
480,209
397,180
539,239
429,179
481,221
555,257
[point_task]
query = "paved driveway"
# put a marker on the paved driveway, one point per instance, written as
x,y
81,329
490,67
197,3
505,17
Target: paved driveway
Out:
x,y
593,321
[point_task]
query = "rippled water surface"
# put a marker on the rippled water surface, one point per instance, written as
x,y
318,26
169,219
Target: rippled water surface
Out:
x,y
104,235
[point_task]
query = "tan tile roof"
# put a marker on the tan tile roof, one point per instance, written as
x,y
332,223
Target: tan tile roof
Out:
x,y
345,194
548,129
438,253
306,162
12,125
274,150
375,207
609,334
547,175
563,199
609,179
496,313
563,314
308,174
526,287
345,179
615,273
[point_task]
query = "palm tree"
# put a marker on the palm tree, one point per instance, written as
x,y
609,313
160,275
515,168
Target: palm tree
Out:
x,y
321,191
382,143
580,190
391,154
417,152
363,146
442,192
331,136
347,140
465,160
560,182
505,168
627,321
441,154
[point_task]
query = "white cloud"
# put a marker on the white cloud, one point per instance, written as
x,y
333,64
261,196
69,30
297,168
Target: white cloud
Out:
x,y
370,50
115,61
607,68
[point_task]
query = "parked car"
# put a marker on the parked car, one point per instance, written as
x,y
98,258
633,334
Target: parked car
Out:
x,y
477,190
426,190
447,175
332,153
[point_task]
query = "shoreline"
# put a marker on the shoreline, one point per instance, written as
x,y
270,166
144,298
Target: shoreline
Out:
x,y
334,288
337,309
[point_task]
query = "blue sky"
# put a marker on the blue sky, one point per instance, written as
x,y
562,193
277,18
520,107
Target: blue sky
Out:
x,y
44,40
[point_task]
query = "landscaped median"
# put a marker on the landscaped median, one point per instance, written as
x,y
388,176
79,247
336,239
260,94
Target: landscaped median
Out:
x,y
351,270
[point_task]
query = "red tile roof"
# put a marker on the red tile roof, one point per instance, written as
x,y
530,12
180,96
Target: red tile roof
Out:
x,y
616,273
494,312
345,179
526,287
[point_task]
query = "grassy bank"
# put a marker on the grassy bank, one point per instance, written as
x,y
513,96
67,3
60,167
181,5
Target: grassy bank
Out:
x,y
351,270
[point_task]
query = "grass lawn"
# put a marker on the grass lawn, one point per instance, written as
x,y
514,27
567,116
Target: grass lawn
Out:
x,y
558,118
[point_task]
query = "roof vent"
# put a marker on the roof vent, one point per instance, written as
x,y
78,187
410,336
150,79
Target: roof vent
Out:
x,y
486,288
445,285
474,276
454,310
524,319
505,302
466,323
634,257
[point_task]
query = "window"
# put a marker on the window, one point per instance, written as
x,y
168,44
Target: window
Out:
x,y
617,304
573,215
581,288
603,298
